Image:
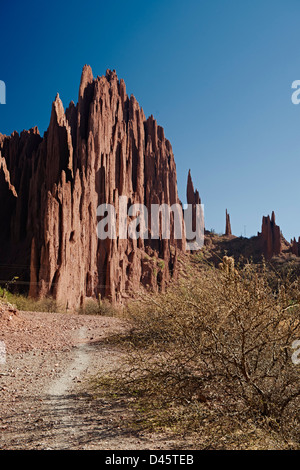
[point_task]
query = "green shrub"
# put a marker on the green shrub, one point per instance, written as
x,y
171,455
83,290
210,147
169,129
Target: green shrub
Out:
x,y
161,264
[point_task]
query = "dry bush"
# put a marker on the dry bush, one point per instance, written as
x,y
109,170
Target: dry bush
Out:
x,y
216,348
98,307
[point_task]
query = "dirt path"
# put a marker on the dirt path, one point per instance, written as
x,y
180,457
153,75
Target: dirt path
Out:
x,y
43,401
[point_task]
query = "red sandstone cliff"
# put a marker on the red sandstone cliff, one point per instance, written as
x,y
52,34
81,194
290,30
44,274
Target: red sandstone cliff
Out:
x,y
51,187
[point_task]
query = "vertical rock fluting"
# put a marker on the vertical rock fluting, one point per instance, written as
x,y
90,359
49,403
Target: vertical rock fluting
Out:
x,y
91,154
17,163
270,237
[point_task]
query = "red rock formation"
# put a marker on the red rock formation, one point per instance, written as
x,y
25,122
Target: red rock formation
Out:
x,y
91,153
192,195
270,237
193,198
228,225
18,159
295,246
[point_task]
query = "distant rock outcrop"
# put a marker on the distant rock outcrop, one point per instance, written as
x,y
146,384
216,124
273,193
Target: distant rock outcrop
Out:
x,y
193,199
270,237
192,195
228,225
50,189
295,246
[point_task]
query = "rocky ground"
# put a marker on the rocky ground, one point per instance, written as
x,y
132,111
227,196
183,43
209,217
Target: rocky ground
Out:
x,y
44,402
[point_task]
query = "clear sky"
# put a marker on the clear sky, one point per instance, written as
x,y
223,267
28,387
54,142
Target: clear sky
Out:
x,y
216,74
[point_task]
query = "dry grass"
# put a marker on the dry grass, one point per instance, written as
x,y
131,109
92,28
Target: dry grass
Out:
x,y
212,356
25,303
49,304
99,307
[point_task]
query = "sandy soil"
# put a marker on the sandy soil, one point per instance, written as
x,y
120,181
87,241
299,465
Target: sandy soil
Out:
x,y
43,400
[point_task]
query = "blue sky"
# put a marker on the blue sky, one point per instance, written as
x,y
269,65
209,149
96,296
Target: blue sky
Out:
x,y
216,74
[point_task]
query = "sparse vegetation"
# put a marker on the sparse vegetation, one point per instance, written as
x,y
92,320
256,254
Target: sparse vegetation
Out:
x,y
161,264
212,356
98,307
25,303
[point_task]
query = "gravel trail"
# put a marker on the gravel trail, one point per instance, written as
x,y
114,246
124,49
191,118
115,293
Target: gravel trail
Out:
x,y
43,401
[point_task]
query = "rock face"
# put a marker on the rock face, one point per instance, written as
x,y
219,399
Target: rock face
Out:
x,y
193,199
295,246
50,188
270,237
228,225
192,195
